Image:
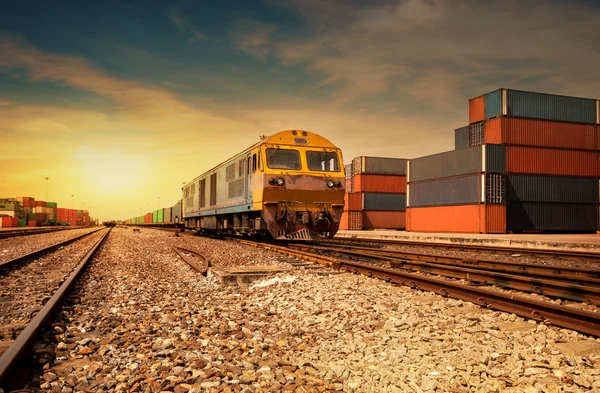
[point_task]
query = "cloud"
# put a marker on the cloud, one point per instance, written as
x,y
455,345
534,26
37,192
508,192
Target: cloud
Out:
x,y
183,23
253,37
437,51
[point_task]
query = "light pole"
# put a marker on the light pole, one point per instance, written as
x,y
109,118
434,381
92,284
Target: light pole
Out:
x,y
46,188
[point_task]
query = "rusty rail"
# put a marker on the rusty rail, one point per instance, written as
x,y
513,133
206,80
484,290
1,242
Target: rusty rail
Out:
x,y
563,316
583,289
34,231
23,345
42,251
201,267
563,254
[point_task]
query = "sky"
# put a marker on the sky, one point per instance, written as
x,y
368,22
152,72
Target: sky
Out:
x,y
119,102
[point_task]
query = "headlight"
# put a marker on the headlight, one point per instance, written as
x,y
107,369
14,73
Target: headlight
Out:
x,y
272,181
330,183
280,181
338,184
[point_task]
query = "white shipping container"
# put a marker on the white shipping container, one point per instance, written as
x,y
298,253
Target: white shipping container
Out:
x,y
7,213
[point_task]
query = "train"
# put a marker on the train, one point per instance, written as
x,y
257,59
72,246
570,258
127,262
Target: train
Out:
x,y
289,185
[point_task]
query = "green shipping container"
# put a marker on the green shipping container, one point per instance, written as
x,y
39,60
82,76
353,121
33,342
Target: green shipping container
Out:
x,y
51,204
22,223
161,215
154,216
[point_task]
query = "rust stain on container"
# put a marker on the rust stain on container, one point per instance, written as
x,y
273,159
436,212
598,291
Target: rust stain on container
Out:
x,y
477,109
464,218
377,219
542,161
379,183
543,133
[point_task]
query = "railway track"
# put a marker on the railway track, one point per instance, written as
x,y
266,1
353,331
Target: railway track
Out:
x,y
197,261
409,273
34,231
32,288
557,254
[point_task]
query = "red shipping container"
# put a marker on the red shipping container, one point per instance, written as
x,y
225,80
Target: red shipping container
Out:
x,y
543,133
376,219
379,183
15,222
7,222
31,223
535,160
353,201
477,109
40,204
479,218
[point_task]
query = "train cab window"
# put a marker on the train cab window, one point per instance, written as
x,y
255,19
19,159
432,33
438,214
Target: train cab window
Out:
x,y
283,159
254,162
259,161
323,161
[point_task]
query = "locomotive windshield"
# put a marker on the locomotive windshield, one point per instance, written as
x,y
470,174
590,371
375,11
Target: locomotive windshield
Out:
x,y
283,159
323,161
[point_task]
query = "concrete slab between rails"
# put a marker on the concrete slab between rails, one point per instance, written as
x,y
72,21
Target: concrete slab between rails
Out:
x,y
243,276
564,242
579,348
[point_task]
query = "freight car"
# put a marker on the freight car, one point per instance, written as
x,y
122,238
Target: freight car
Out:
x,y
287,186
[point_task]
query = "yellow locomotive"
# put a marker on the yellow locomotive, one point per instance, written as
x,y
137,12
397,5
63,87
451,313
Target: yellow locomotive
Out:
x,y
289,186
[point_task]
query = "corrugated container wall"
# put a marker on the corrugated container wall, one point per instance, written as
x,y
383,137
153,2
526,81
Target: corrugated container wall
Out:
x,y
461,138
389,202
477,109
540,188
348,171
379,183
543,133
379,166
176,212
572,217
480,218
459,162
462,190
531,105
535,160
384,220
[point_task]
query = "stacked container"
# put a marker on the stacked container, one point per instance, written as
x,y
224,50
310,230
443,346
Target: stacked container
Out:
x,y
458,191
551,157
376,198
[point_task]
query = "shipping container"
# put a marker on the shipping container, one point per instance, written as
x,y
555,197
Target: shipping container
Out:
x,y
379,183
531,105
386,202
543,133
167,215
544,188
476,218
31,223
348,171
384,220
348,185
476,159
551,217
20,222
379,166
9,206
351,221
476,133
477,109
463,190
7,222
461,138
51,204
8,213
540,161
176,212
353,201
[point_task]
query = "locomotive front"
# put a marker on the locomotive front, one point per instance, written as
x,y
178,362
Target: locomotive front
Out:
x,y
302,185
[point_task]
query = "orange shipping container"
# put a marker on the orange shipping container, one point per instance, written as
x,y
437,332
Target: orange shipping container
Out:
x,y
543,133
462,219
31,223
477,109
541,161
351,221
354,201
376,219
379,183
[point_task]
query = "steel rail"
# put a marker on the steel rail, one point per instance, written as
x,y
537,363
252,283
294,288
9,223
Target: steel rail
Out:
x,y
201,268
542,311
41,251
26,340
583,290
563,254
505,266
24,232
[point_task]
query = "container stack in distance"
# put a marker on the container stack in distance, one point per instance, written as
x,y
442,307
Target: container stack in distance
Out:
x,y
551,160
375,194
167,216
26,211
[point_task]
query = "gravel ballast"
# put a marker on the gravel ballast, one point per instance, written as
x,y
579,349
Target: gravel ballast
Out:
x,y
142,320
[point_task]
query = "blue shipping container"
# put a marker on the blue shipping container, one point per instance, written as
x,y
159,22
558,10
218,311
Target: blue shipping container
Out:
x,y
531,105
